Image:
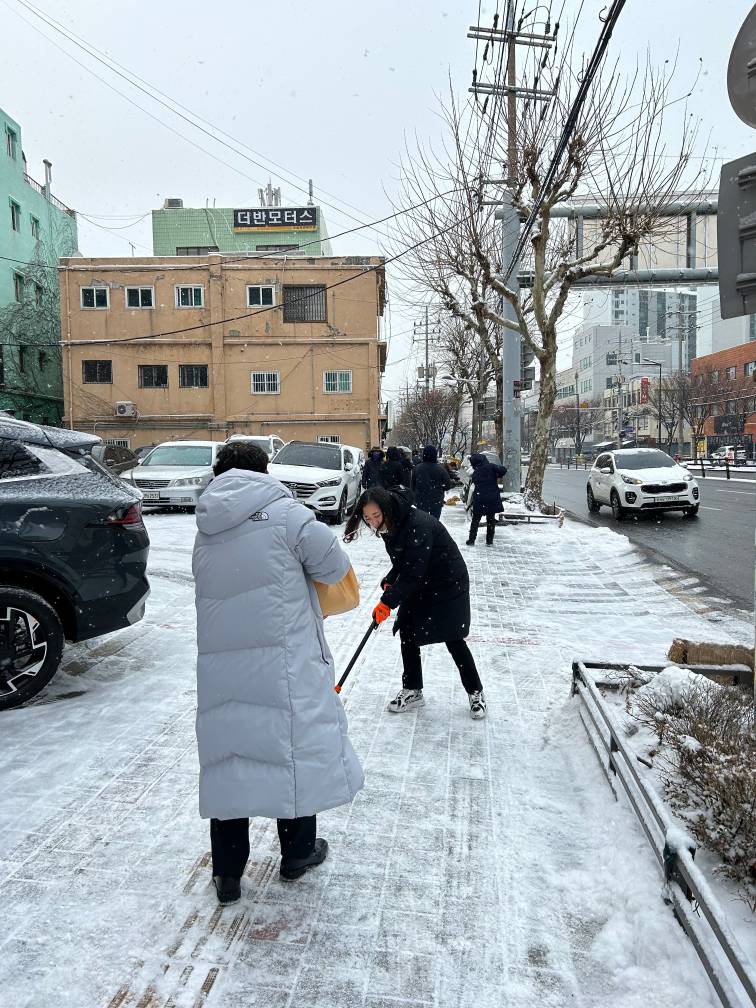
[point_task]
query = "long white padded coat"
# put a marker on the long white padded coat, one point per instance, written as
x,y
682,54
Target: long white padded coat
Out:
x,y
271,731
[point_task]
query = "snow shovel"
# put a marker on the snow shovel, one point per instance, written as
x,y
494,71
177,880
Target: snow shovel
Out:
x,y
355,656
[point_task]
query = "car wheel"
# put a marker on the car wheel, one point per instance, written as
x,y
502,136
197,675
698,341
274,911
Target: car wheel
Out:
x,y
618,512
593,504
338,518
31,645
691,512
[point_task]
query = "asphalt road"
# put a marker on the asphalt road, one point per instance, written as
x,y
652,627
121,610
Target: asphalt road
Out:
x,y
718,546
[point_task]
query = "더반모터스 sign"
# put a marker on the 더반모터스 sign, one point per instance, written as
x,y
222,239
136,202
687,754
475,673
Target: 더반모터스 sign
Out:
x,y
276,219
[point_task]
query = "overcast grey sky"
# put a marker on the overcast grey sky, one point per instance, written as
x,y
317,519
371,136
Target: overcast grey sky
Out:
x,y
326,90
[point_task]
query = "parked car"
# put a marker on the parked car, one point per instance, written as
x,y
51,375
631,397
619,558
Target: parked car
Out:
x,y
735,456
144,451
115,458
73,552
324,477
269,443
641,479
175,473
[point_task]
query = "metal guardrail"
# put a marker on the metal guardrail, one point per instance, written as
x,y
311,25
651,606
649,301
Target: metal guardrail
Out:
x,y
48,196
730,972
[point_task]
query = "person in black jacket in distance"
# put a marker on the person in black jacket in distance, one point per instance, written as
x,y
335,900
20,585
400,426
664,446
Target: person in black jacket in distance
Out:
x,y
486,496
395,470
429,482
372,468
429,584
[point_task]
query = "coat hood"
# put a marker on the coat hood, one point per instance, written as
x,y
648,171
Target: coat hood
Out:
x,y
478,460
430,454
376,455
393,454
235,495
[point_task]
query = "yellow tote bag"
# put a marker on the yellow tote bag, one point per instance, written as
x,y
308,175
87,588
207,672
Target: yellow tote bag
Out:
x,y
340,597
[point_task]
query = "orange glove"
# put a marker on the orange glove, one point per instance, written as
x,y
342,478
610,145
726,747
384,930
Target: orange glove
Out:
x,y
381,613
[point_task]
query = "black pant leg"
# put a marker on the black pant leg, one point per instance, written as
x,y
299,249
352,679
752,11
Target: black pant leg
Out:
x,y
474,527
297,837
229,843
490,528
465,662
412,673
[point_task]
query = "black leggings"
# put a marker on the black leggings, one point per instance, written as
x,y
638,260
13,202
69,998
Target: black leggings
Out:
x,y
412,675
229,842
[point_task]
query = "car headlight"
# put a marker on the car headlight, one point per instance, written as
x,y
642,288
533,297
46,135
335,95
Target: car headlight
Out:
x,y
688,478
632,480
189,481
331,482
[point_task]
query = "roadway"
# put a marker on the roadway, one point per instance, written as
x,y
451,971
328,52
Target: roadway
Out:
x,y
718,546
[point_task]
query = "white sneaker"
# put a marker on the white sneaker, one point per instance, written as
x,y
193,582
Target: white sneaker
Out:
x,y
477,705
406,699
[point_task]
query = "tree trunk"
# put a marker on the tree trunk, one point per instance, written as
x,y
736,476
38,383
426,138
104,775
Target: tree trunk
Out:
x,y
539,449
500,411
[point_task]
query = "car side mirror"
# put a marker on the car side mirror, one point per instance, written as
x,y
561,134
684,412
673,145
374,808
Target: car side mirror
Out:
x,y
348,466
606,470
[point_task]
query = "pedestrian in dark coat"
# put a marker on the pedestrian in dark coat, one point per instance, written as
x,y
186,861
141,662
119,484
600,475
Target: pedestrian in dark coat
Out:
x,y
486,496
429,483
429,585
415,459
395,471
372,468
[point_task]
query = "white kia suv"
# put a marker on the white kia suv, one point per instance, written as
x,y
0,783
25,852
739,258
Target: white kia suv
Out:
x,y
324,477
641,479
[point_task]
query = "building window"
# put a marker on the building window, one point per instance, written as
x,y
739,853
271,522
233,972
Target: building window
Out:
x,y
196,249
732,373
587,385
715,377
140,297
118,442
11,140
266,383
329,439
18,287
304,304
35,228
260,296
22,359
192,375
277,248
39,294
15,210
2,367
190,297
42,360
95,297
97,372
749,368
153,375
337,381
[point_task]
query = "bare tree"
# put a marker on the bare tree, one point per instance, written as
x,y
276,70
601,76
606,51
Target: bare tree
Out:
x,y
616,157
426,418
466,366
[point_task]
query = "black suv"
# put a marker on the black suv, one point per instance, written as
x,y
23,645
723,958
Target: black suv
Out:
x,y
73,552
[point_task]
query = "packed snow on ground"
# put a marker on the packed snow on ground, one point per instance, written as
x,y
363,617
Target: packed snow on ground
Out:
x,y
485,863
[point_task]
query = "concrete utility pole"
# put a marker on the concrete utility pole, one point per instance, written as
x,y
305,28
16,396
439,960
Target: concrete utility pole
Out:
x,y
427,366
680,428
620,404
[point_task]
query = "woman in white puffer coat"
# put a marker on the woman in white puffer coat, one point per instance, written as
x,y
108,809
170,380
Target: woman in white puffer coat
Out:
x,y
271,731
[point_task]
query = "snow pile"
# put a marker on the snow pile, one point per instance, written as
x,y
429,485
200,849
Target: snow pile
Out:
x,y
668,689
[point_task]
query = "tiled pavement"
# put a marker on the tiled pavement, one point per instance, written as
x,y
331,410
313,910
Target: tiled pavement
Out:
x,y
483,864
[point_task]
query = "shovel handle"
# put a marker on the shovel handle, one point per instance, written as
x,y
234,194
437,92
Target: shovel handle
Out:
x,y
355,656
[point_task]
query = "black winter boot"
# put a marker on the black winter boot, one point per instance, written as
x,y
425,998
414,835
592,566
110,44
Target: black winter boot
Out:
x,y
228,888
296,867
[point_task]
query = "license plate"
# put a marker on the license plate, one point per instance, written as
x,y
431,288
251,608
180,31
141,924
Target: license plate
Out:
x,y
151,495
666,500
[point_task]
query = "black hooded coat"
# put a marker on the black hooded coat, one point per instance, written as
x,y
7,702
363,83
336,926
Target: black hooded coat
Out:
x,y
429,583
486,494
372,469
395,471
429,481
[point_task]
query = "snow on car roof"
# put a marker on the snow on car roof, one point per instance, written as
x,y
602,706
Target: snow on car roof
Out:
x,y
194,444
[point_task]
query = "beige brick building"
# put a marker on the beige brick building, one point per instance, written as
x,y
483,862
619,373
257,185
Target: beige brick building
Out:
x,y
201,347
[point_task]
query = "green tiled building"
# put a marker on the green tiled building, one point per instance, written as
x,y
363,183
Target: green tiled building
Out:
x,y
267,230
36,230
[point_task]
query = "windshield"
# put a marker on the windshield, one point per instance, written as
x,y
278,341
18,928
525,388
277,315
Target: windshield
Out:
x,y
322,456
180,455
644,460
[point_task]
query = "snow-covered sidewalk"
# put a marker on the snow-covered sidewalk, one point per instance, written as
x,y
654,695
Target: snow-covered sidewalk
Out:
x,y
485,863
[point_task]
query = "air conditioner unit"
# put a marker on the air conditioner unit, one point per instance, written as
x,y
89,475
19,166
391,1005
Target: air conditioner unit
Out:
x,y
173,204
125,409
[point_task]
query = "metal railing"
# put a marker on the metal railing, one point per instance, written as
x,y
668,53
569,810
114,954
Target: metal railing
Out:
x,y
48,196
728,968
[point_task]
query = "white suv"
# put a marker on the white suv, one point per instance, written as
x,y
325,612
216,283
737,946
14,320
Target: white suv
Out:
x,y
324,477
268,442
641,479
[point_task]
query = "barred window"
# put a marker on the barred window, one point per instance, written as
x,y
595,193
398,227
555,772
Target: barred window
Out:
x,y
266,383
304,303
153,375
192,375
329,439
97,372
337,381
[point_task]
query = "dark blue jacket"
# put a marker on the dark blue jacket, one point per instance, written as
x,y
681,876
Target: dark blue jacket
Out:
x,y
372,468
486,496
395,471
429,481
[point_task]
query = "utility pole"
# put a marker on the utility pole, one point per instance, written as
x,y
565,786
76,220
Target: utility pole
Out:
x,y
427,376
680,431
620,404
577,416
